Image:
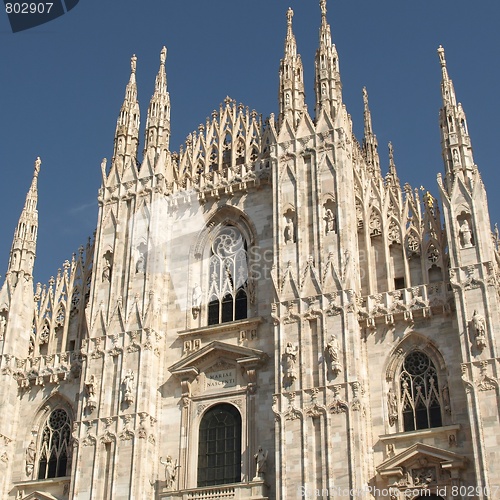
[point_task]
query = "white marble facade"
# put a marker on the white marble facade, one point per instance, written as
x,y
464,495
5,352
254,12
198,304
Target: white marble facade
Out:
x,y
262,315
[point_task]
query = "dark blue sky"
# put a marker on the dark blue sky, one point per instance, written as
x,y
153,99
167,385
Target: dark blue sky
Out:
x,y
63,83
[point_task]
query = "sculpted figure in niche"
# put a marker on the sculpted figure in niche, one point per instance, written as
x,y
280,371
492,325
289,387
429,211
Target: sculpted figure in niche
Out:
x,y
90,387
290,358
260,463
30,458
330,223
479,326
196,300
392,406
289,232
140,266
465,234
128,384
170,471
332,348
106,271
3,326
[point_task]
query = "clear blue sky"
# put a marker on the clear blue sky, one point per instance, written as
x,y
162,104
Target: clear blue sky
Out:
x,y
62,85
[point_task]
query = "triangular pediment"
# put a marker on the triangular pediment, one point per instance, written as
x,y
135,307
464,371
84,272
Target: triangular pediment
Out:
x,y
210,354
37,495
421,453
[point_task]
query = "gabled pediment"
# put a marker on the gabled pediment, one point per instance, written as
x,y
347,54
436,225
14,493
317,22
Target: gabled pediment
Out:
x,y
420,455
214,357
37,495
216,350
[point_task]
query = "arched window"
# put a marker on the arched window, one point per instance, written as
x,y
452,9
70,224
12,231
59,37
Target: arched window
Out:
x,y
54,449
219,452
228,277
420,396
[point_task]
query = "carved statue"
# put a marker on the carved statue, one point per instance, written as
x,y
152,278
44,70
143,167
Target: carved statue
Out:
x,y
260,463
106,272
30,458
332,349
170,471
392,405
3,326
128,384
90,390
140,266
330,225
466,234
196,300
290,358
289,230
445,394
479,325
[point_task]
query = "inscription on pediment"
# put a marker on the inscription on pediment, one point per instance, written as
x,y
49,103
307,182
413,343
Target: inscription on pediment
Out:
x,y
220,379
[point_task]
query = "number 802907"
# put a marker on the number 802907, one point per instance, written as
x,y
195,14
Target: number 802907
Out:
x,y
28,8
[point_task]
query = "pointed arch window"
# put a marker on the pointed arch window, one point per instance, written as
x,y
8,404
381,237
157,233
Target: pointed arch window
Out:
x,y
54,449
420,394
219,452
228,277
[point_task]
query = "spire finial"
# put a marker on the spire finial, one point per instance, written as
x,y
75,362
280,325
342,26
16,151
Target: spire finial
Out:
x,y
163,55
322,4
391,153
133,63
289,16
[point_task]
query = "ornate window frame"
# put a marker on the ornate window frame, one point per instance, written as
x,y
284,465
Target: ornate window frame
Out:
x,y
412,344
201,268
218,373
36,436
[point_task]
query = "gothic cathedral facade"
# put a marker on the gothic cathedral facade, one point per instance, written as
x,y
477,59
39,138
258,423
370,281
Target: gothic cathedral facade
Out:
x,y
263,315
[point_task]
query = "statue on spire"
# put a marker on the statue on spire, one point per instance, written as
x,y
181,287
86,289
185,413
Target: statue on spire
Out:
x,y
365,97
322,4
38,162
163,55
442,60
133,63
289,16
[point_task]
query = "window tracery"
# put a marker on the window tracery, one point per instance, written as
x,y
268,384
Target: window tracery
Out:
x,y
420,396
54,449
228,288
